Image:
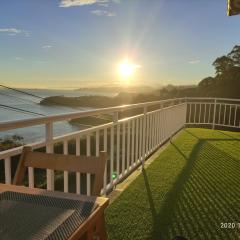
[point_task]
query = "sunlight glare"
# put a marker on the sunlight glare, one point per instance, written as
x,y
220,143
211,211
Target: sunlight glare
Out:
x,y
126,68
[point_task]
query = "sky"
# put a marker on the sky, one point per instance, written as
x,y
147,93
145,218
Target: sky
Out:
x,y
80,43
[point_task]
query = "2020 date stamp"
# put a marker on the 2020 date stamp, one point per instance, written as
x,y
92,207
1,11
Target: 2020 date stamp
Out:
x,y
230,225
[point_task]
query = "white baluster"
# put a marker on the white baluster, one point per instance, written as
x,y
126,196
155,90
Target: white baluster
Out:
x,y
128,144
123,147
133,142
65,173
78,174
118,150
88,174
137,140
105,171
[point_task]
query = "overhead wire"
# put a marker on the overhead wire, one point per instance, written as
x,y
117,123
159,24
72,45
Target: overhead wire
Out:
x,y
21,91
17,109
21,110
19,98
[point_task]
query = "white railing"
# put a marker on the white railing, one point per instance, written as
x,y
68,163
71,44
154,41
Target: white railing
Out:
x,y
218,112
128,141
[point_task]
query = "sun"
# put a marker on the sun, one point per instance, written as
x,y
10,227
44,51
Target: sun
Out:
x,y
126,68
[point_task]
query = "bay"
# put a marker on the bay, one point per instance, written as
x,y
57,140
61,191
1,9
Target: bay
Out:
x,y
30,103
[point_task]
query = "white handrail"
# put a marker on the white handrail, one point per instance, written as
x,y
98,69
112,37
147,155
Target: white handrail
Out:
x,y
4,126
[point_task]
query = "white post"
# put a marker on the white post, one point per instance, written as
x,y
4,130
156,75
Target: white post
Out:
x,y
235,115
49,149
214,113
128,144
115,121
144,134
137,139
105,171
78,175
118,150
65,173
88,174
123,148
133,142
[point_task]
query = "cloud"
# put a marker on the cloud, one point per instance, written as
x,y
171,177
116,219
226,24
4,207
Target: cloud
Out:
x,y
14,32
10,30
19,58
103,13
46,46
196,61
103,5
41,62
73,3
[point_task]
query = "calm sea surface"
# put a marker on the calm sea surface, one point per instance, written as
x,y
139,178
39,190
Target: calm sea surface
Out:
x,y
36,133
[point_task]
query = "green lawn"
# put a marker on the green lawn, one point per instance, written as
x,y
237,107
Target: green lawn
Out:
x,y
189,190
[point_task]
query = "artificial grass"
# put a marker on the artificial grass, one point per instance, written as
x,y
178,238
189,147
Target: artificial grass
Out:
x,y
189,190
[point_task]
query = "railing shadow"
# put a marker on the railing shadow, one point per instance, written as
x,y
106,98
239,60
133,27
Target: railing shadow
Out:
x,y
151,203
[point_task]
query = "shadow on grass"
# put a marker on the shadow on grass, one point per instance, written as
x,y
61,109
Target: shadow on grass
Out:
x,y
198,201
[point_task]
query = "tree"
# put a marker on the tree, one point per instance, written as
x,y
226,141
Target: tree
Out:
x,y
206,82
235,56
222,64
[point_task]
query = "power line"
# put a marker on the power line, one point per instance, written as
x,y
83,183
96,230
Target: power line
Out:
x,y
22,99
21,110
17,90
18,111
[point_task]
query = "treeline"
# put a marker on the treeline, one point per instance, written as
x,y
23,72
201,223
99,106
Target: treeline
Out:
x,y
225,83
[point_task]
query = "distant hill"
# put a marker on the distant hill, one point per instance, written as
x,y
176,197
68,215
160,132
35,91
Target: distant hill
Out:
x,y
118,89
100,101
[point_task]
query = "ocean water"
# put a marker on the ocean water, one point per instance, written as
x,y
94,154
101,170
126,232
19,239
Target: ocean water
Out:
x,y
29,103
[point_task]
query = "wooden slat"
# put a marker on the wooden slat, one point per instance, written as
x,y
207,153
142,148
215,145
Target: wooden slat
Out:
x,y
7,169
71,163
31,177
61,162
